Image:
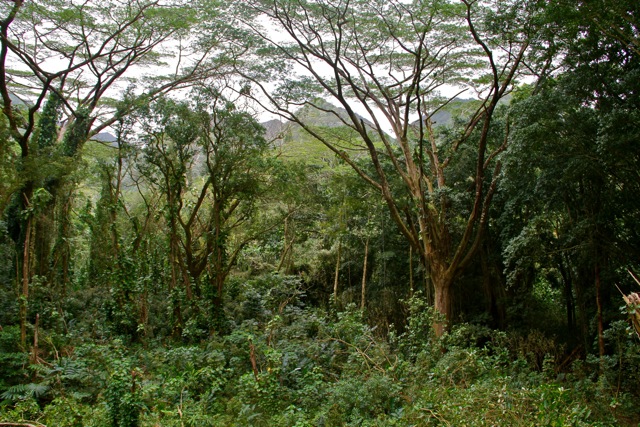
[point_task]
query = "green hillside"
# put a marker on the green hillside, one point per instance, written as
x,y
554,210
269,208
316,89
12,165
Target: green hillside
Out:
x,y
297,144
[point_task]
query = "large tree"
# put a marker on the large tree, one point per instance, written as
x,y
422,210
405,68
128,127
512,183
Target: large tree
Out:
x,y
384,63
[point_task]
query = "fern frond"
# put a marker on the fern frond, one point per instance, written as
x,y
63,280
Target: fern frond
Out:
x,y
25,391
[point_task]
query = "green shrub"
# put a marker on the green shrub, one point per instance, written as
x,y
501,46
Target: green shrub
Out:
x,y
123,395
12,361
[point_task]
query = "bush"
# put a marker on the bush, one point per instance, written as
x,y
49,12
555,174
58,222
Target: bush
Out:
x,y
123,395
283,363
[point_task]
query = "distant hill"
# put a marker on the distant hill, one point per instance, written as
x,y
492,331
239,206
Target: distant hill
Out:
x,y
275,128
18,101
104,137
295,143
459,107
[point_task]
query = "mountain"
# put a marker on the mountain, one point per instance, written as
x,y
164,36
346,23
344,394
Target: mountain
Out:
x,y
275,128
296,144
104,137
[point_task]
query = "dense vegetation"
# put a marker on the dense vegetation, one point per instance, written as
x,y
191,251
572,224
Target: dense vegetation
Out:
x,y
442,227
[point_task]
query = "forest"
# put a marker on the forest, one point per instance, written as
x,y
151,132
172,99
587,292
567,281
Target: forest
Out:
x,y
319,213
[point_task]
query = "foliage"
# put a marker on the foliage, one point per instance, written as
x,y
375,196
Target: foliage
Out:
x,y
289,364
122,396
387,257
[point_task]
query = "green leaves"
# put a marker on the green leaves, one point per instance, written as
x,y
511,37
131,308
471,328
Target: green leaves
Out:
x,y
25,391
39,201
123,396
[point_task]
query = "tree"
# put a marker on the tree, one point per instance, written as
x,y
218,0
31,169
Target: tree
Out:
x,y
387,60
74,54
571,212
208,162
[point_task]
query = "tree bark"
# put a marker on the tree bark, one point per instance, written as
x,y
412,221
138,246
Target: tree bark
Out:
x,y
43,226
443,304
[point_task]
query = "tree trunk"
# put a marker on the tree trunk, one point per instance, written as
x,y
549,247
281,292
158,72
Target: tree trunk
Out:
x,y
337,273
599,305
62,250
568,296
493,290
443,303
286,257
410,271
35,350
583,315
26,275
177,313
43,226
364,275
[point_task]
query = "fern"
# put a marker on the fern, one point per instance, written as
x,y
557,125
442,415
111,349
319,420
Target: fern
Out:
x,y
25,391
15,392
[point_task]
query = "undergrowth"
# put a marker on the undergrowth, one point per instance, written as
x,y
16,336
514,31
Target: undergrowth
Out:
x,y
285,364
